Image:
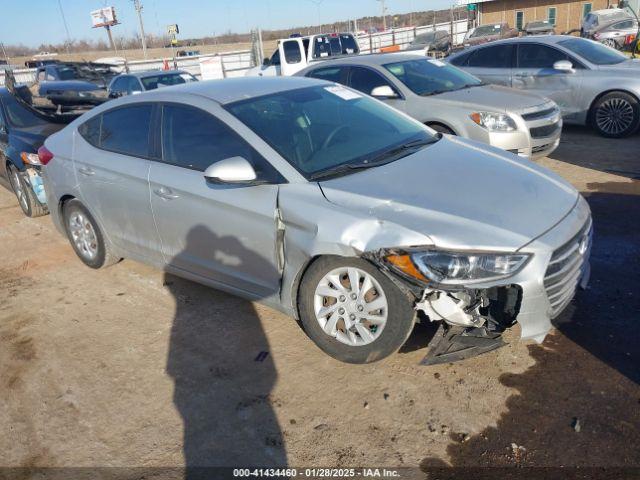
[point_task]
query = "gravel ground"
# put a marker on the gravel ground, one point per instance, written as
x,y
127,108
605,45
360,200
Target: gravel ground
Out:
x,y
129,366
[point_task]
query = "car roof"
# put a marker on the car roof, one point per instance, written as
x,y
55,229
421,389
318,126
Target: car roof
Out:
x,y
377,59
547,39
232,90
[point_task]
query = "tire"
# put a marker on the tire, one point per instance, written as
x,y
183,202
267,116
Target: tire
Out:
x,y
85,236
603,115
379,341
441,128
27,199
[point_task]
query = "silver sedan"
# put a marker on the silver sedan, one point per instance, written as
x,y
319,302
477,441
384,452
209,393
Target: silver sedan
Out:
x,y
325,204
593,84
451,101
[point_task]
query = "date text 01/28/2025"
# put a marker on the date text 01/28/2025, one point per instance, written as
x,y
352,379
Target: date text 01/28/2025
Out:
x,y
316,472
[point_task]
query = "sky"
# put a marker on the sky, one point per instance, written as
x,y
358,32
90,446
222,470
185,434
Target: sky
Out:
x,y
33,22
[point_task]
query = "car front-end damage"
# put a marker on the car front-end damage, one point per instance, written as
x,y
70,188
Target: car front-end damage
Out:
x,y
530,286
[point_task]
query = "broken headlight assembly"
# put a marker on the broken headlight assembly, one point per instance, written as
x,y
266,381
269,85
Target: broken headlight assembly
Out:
x,y
456,268
494,122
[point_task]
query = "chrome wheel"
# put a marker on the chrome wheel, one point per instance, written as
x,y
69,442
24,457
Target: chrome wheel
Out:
x,y
350,306
615,116
16,183
83,235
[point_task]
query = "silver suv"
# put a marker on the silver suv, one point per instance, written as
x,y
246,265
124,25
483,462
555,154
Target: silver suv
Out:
x,y
325,204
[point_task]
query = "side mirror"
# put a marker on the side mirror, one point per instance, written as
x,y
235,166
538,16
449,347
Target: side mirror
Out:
x,y
231,170
266,62
563,66
383,91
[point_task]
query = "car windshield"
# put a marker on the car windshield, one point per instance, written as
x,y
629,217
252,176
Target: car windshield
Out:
x,y
485,30
166,80
429,77
424,38
19,116
593,52
330,130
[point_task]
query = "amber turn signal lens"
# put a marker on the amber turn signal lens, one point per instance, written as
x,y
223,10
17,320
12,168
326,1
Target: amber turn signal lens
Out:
x,y
406,266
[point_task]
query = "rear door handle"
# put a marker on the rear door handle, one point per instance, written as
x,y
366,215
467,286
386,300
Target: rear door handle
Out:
x,y
165,193
87,171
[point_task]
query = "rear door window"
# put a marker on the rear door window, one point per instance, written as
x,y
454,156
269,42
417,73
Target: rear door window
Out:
x,y
497,56
126,130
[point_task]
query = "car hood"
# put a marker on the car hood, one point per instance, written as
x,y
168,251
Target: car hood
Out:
x,y
493,97
460,194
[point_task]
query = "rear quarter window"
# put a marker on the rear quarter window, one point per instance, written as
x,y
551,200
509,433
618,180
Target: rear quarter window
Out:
x,y
90,130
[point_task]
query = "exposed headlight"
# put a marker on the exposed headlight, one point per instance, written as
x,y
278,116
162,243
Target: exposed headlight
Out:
x,y
457,267
494,122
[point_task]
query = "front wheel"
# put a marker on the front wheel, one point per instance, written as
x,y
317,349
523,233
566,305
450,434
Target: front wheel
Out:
x,y
352,311
616,115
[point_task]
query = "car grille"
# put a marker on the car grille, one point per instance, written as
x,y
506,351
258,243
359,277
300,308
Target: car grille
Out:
x,y
541,114
541,148
565,269
545,131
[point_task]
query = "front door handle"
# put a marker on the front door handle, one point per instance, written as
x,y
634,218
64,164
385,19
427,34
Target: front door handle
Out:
x,y
165,193
87,171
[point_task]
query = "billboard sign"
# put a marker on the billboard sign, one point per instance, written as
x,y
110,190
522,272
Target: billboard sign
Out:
x,y
105,17
173,29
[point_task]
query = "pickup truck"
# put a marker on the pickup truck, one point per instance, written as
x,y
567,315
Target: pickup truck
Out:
x,y
296,52
73,83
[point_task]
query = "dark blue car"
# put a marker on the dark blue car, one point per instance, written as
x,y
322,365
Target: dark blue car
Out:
x,y
23,130
73,83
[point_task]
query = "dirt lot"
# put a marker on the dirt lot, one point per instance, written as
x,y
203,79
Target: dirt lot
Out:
x,y
128,366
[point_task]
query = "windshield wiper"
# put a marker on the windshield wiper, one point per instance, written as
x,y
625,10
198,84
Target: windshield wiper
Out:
x,y
382,159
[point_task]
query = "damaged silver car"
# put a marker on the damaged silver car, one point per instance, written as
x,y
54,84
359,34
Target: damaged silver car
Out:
x,y
326,204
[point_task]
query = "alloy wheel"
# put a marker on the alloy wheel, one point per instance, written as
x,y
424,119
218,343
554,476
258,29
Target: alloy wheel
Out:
x,y
615,116
351,306
83,235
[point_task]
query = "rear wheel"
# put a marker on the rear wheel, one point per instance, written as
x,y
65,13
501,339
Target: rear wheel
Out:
x,y
352,311
615,115
24,193
85,236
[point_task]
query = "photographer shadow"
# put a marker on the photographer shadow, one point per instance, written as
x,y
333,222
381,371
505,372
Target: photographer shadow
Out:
x,y
222,370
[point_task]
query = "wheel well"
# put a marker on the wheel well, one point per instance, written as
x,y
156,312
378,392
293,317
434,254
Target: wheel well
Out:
x,y
429,124
295,290
63,200
607,92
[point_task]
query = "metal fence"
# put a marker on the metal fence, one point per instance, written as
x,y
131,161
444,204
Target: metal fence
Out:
x,y
234,64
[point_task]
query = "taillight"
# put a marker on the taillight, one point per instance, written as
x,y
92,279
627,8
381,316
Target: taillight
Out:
x,y
44,155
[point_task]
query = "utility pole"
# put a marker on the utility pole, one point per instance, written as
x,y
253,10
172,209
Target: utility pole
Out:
x,y
64,22
384,15
138,7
